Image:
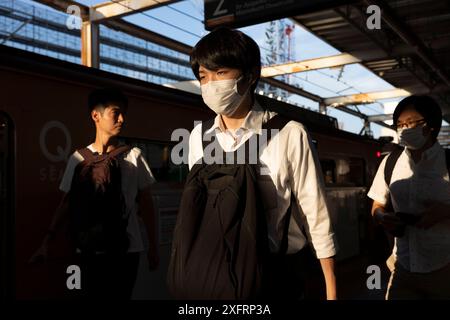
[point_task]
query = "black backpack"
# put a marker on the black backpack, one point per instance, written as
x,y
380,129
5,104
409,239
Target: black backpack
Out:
x,y
220,242
98,217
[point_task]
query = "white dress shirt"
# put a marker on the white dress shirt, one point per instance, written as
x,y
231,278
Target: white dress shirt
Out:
x,y
288,164
413,187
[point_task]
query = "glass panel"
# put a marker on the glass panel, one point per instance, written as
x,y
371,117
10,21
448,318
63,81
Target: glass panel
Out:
x,y
344,172
157,155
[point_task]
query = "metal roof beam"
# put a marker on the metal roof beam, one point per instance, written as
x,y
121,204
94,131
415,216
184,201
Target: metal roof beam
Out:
x,y
104,40
352,112
379,117
120,8
364,117
380,39
90,44
90,31
145,34
121,25
62,5
307,65
408,37
381,123
292,89
365,98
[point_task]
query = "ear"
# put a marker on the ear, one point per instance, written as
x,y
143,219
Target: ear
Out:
x,y
249,79
427,130
95,115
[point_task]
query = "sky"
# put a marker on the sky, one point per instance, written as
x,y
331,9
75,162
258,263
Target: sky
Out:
x,y
183,21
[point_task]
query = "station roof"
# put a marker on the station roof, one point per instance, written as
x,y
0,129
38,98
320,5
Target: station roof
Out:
x,y
411,50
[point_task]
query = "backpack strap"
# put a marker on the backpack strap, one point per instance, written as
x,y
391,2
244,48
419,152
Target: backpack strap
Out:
x,y
87,154
284,239
276,122
390,164
119,150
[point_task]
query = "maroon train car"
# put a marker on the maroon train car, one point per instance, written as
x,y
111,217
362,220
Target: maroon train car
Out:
x,y
44,118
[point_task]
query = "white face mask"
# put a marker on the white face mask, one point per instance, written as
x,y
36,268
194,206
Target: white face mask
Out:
x,y
412,138
222,96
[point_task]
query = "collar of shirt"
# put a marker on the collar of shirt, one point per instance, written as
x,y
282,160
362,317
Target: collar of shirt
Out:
x,y
430,153
253,121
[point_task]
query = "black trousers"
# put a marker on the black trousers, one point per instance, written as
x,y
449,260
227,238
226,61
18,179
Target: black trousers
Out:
x,y
106,276
285,276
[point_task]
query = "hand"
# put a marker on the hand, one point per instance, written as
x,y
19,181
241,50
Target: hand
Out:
x,y
153,259
434,214
389,221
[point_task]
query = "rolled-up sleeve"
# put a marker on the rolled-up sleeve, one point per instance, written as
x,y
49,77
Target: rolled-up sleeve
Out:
x,y
379,191
66,182
145,175
309,190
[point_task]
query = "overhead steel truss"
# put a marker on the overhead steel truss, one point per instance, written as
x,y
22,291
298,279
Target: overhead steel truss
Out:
x,y
110,15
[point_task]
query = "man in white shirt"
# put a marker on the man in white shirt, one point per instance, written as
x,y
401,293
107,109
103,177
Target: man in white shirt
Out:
x,y
419,188
227,64
105,275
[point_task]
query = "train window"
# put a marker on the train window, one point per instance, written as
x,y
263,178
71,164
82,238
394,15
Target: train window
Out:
x,y
157,155
357,172
344,172
329,171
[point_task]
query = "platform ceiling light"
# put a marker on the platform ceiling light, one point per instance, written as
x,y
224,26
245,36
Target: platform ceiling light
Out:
x,y
368,97
333,61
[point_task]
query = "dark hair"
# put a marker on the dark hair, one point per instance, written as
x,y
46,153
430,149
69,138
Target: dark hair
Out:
x,y
224,47
426,106
101,98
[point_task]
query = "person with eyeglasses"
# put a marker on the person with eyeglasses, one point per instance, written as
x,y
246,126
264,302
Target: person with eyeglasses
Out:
x,y
411,200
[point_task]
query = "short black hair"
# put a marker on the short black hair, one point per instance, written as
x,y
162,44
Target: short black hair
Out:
x,y
426,106
102,98
225,47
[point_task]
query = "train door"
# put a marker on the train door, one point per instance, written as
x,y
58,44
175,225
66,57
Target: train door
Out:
x,y
7,206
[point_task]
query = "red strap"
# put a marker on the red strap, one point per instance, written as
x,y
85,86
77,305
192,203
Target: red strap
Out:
x,y
119,150
87,154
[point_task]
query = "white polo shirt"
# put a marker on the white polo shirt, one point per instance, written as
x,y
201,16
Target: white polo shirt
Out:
x,y
289,165
412,186
136,176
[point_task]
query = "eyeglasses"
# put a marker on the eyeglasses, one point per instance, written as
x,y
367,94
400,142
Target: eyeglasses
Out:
x,y
409,124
